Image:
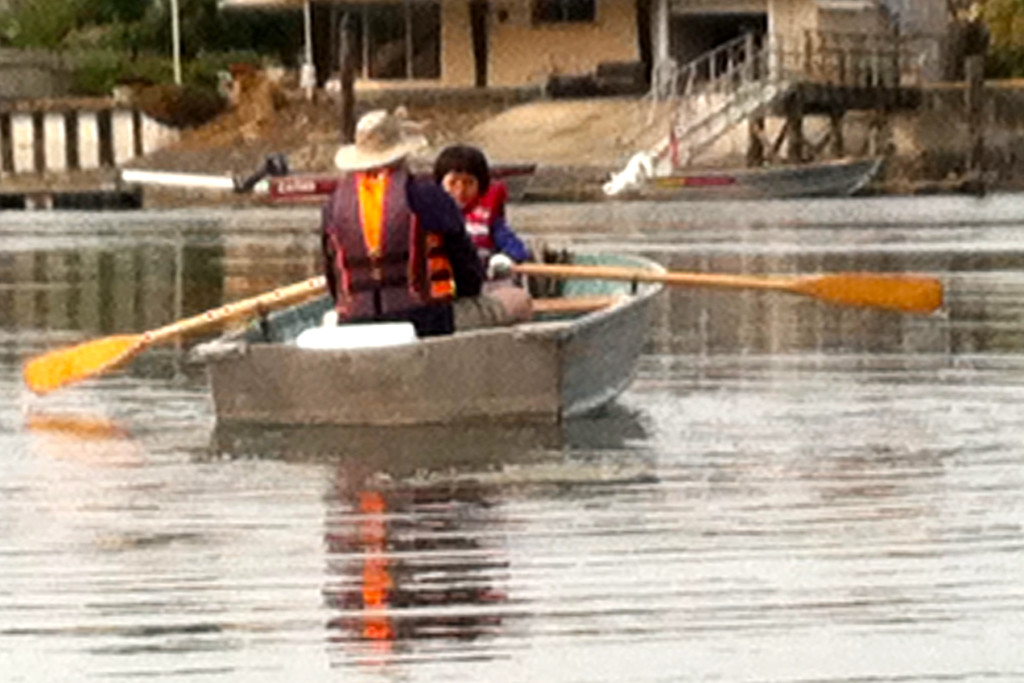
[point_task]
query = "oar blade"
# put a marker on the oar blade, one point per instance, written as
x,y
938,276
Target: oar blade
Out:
x,y
896,292
59,368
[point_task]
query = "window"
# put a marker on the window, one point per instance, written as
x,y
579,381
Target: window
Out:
x,y
396,40
551,11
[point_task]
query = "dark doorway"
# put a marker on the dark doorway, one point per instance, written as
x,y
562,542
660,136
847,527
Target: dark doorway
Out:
x,y
695,34
478,26
643,32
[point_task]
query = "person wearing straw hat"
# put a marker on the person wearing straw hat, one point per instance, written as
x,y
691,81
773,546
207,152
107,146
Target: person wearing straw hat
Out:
x,y
396,247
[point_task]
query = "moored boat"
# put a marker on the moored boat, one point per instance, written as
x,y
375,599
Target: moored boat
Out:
x,y
833,178
547,370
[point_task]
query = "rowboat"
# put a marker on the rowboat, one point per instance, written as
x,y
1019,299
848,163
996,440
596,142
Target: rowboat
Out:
x,y
555,367
576,356
833,178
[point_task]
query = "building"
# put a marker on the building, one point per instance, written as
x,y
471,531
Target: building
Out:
x,y
514,43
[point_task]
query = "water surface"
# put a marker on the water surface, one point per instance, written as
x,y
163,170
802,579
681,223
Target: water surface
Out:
x,y
787,492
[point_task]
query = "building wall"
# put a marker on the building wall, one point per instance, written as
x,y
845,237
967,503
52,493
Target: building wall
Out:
x,y
522,53
788,21
867,21
925,26
458,67
920,17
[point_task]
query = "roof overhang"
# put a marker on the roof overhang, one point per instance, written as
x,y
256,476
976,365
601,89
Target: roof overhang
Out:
x,y
260,4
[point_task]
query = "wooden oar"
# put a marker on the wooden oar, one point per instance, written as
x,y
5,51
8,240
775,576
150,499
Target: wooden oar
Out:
x,y
891,291
58,368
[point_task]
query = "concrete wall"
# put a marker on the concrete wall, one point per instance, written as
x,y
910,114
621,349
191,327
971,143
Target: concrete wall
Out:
x,y
31,74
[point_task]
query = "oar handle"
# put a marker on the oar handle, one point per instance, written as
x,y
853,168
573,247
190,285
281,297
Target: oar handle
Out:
x,y
238,309
648,275
903,292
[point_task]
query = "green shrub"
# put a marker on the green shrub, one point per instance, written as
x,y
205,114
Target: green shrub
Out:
x,y
1005,61
95,72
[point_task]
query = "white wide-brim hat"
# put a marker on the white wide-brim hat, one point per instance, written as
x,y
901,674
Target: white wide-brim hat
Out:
x,y
381,140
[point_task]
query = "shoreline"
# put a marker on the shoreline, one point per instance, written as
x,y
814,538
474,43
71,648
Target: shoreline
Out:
x,y
560,184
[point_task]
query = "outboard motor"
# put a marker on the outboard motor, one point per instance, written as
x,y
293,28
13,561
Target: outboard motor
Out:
x,y
275,165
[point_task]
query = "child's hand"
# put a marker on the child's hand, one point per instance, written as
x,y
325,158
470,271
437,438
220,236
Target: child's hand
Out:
x,y
499,267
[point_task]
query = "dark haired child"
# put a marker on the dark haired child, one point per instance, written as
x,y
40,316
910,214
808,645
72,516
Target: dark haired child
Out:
x,y
464,173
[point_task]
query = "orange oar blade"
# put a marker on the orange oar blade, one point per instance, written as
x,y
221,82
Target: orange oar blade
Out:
x,y
55,369
906,293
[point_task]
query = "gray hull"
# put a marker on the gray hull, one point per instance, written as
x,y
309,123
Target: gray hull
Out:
x,y
838,178
543,371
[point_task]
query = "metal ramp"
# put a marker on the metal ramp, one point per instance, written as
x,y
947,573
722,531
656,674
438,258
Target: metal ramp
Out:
x,y
715,92
711,94
825,73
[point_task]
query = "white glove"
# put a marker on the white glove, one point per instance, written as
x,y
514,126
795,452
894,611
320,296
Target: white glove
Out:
x,y
499,267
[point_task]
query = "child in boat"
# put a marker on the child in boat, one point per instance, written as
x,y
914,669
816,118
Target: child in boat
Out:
x,y
464,173
396,248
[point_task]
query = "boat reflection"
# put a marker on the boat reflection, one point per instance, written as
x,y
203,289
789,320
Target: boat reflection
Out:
x,y
409,563
417,521
398,450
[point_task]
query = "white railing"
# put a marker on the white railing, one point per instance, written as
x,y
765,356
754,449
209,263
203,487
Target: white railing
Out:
x,y
724,86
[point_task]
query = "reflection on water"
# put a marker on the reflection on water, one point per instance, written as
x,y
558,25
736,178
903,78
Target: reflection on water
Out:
x,y
402,449
787,492
101,287
412,563
416,519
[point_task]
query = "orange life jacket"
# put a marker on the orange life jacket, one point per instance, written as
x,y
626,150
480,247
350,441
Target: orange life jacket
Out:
x,y
390,264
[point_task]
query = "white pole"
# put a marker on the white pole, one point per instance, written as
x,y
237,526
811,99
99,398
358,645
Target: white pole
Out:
x,y
661,80
176,41
307,25
307,73
661,31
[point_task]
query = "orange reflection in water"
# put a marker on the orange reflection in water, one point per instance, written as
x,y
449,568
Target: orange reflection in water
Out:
x,y
411,564
377,583
82,437
78,425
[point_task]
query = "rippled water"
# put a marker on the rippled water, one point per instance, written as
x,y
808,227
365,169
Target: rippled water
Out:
x,y
787,492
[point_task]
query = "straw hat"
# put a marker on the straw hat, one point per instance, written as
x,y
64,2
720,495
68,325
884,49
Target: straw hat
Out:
x,y
381,140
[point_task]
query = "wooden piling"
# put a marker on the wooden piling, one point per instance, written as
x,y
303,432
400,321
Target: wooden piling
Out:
x,y
346,64
974,70
755,145
795,128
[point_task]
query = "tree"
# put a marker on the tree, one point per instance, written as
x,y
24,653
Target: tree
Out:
x,y
1005,21
40,23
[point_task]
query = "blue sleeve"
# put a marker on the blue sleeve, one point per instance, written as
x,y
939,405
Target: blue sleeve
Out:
x,y
438,213
507,242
